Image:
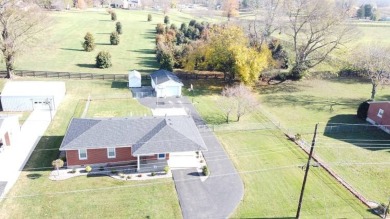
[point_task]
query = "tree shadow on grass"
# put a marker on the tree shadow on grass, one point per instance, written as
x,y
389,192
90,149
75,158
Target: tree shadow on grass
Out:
x,y
149,62
33,175
71,49
86,65
348,80
350,129
144,51
148,36
314,103
103,44
286,87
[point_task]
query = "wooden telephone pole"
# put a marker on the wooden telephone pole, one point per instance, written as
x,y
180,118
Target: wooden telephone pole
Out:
x,y
306,172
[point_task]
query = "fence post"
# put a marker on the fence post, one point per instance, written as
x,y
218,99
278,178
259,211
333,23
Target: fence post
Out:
x,y
69,75
80,75
114,77
103,76
47,74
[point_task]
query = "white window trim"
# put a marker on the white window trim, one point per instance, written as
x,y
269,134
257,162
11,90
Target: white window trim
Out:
x,y
108,153
86,154
161,158
380,113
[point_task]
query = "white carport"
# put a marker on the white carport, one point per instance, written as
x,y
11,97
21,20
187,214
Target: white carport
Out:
x,y
135,79
32,95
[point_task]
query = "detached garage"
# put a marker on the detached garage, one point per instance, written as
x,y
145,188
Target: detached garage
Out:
x,y
166,84
32,95
134,79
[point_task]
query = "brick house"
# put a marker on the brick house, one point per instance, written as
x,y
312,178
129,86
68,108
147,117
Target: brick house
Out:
x,y
136,140
379,114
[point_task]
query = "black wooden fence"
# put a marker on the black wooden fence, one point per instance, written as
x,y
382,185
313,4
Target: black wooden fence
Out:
x,y
92,76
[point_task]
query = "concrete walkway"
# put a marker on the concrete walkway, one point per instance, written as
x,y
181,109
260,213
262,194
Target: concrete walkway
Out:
x,y
220,194
13,158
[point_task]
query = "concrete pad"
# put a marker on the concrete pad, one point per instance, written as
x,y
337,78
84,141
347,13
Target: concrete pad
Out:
x,y
13,158
169,112
183,160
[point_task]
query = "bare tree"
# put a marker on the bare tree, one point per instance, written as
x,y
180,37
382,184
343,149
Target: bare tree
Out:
x,y
316,29
374,60
267,20
20,22
239,99
245,100
227,103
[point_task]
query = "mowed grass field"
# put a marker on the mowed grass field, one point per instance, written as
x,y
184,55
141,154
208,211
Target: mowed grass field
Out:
x,y
269,165
360,155
35,196
61,48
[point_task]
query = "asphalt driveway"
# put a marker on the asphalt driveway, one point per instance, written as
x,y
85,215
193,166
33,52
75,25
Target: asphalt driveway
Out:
x,y
220,194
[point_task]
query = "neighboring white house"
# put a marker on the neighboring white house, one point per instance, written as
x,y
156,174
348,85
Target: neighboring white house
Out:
x,y
135,79
166,84
120,4
135,3
31,95
9,130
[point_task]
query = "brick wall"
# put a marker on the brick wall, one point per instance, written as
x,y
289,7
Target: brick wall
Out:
x,y
99,156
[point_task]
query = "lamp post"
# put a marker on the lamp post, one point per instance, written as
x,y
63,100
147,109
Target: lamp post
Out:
x,y
48,102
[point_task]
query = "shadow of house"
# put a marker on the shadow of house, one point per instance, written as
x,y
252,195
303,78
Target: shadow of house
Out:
x,y
350,129
119,85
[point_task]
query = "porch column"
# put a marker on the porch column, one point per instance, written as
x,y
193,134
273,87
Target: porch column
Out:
x,y
138,166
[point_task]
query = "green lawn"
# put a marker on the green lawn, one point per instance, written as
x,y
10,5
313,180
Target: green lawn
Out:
x,y
299,105
268,162
84,197
62,50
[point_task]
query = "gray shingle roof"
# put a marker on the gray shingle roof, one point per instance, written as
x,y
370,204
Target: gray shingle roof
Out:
x,y
162,76
146,135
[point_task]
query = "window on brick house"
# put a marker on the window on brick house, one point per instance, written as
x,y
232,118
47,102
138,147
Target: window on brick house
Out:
x,y
111,153
83,154
380,113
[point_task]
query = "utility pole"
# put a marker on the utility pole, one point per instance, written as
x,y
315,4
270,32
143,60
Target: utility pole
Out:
x,y
306,172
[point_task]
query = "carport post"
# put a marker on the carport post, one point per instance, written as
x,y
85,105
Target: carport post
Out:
x,y
138,167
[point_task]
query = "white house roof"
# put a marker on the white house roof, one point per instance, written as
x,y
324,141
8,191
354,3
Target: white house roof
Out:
x,y
33,88
134,73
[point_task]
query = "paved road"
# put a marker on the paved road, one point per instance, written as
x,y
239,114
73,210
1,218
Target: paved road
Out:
x,y
219,195
13,158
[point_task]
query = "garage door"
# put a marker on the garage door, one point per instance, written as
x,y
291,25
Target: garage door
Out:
x,y
171,91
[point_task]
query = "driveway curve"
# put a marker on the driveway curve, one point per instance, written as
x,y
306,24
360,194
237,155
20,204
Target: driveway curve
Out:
x,y
220,194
